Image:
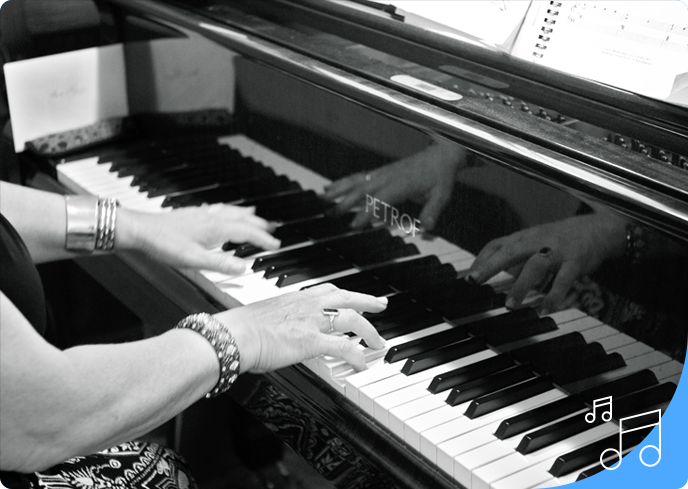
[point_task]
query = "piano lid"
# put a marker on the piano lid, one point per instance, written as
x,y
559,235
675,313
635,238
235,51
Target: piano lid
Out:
x,y
610,145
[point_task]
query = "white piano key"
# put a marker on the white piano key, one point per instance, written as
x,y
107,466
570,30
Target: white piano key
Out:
x,y
431,438
399,415
483,475
331,366
369,393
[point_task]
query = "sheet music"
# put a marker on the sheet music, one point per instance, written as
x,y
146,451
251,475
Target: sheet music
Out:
x,y
488,23
639,46
65,91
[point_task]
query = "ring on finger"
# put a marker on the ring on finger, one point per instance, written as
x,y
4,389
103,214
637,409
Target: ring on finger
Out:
x,y
331,314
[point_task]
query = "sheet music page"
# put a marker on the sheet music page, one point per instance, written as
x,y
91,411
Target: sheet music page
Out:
x,y
640,46
487,23
495,21
65,91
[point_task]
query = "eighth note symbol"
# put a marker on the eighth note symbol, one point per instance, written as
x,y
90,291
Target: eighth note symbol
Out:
x,y
606,416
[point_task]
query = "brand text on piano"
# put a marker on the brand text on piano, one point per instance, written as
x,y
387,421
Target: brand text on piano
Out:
x,y
379,210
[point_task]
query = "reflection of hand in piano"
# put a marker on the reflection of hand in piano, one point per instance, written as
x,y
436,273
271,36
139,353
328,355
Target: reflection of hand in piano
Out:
x,y
558,253
426,177
192,237
291,328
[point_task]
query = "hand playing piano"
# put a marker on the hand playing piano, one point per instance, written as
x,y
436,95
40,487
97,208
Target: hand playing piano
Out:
x,y
291,328
553,255
192,237
426,177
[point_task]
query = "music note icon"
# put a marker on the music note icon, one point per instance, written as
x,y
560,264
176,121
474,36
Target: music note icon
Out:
x,y
618,452
603,401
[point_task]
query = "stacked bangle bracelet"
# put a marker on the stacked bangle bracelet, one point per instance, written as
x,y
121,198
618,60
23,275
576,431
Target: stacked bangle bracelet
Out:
x,y
225,347
90,223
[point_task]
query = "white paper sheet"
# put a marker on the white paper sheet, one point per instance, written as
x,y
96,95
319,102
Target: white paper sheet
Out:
x,y
65,91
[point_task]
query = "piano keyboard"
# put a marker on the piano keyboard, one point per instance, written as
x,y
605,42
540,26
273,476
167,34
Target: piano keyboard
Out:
x,y
493,398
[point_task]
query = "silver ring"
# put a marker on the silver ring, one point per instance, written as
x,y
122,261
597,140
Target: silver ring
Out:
x,y
330,313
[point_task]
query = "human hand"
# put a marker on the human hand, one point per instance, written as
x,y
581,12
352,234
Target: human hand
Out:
x,y
427,177
291,328
192,237
558,253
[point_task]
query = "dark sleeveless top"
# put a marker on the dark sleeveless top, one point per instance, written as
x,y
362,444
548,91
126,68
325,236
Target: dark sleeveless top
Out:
x,y
19,279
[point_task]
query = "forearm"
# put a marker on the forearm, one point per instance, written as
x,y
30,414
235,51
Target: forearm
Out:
x,y
39,218
58,404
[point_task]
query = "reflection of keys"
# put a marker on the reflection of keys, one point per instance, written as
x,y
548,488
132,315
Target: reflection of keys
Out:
x,y
603,401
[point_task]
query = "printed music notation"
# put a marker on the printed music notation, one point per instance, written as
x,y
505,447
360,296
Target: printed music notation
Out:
x,y
613,21
623,431
598,403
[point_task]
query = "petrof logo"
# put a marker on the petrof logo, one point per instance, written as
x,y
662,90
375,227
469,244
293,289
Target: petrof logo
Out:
x,y
390,215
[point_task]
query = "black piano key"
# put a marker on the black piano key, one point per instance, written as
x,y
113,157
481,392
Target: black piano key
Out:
x,y
447,380
427,343
498,323
331,266
312,263
411,325
328,226
620,387
524,329
186,180
457,299
570,358
395,326
314,258
563,407
544,350
397,248
289,207
363,282
590,472
396,304
314,228
584,370
624,406
589,454
390,321
262,183
506,397
539,416
287,256
419,272
424,361
491,383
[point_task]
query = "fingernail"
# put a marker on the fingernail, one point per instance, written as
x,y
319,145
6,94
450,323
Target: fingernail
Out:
x,y
428,223
471,279
544,312
510,303
383,300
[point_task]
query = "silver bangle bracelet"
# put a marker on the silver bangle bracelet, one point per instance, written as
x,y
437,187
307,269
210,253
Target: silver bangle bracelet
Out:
x,y
90,223
225,347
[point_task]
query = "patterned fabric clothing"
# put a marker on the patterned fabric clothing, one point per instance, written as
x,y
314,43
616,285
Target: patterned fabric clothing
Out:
x,y
132,465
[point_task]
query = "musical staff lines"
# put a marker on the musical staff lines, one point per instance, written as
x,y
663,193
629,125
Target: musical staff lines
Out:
x,y
613,21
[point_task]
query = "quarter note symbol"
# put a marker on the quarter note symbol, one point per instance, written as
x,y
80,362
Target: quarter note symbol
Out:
x,y
598,403
618,452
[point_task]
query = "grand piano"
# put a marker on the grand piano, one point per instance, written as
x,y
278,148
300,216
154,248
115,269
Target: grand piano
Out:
x,y
285,97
